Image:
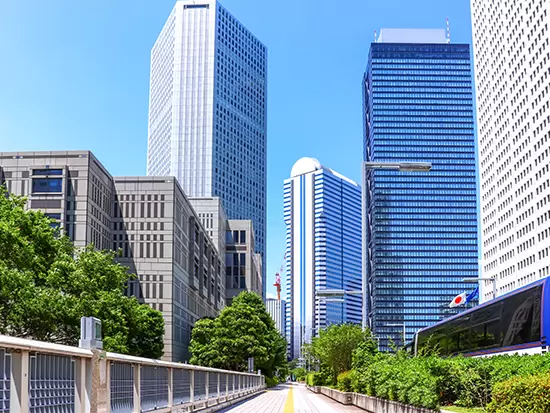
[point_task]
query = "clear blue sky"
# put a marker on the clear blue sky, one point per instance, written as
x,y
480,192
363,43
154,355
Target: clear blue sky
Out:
x,y
75,75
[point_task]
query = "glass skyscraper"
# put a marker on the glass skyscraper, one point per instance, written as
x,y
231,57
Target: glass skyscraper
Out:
x,y
207,110
322,212
420,227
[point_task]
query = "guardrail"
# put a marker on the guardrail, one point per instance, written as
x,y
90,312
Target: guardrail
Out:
x,y
40,377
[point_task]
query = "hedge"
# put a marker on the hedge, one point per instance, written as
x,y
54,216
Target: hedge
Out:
x,y
433,381
530,394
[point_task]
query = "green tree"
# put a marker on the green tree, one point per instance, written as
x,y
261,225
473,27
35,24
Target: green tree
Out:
x,y
242,330
46,286
334,346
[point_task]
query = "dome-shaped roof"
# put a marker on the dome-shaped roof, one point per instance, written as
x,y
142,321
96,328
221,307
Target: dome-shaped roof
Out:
x,y
304,166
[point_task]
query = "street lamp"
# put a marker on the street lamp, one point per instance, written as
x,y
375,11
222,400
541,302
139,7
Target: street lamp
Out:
x,y
332,296
399,325
475,280
395,166
400,166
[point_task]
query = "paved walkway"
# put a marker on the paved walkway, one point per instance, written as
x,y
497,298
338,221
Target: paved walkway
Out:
x,y
293,398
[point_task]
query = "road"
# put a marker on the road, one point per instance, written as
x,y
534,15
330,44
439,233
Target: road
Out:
x,y
293,398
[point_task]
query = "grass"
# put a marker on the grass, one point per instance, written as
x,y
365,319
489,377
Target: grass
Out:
x,y
464,409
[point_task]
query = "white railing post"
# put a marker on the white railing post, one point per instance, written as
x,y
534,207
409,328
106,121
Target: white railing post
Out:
x,y
137,387
227,386
19,381
207,385
219,378
192,386
170,386
81,396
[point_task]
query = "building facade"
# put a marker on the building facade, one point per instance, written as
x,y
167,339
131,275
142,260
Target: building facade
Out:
x,y
512,66
420,228
322,212
277,311
207,110
179,269
212,215
71,187
243,267
149,219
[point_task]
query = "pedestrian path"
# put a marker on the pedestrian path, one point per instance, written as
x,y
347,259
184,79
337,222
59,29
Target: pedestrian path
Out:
x,y
293,398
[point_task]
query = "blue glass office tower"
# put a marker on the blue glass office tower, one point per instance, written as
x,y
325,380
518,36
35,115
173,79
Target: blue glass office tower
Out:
x,y
322,212
208,111
420,227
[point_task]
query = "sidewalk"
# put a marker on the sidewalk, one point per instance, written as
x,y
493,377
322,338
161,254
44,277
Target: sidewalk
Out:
x,y
293,398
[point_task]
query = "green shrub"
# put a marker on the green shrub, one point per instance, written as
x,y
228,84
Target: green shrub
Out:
x,y
271,382
529,394
343,382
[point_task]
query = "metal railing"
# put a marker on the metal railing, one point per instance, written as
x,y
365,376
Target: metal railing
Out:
x,y
40,377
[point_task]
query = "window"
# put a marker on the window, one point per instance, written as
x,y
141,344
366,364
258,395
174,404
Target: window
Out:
x,y
243,237
47,171
53,216
47,185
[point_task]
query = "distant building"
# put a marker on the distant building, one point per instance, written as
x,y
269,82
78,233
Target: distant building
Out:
x,y
322,212
180,271
420,227
510,41
243,269
232,237
277,311
208,110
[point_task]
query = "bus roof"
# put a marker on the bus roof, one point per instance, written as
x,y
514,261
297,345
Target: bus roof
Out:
x,y
500,298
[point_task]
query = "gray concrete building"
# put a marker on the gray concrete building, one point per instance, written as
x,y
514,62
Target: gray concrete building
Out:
x,y
243,267
162,240
71,187
212,215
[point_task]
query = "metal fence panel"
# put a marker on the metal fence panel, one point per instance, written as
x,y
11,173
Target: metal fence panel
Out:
x,y
122,387
154,388
181,384
5,369
223,384
51,384
199,390
213,385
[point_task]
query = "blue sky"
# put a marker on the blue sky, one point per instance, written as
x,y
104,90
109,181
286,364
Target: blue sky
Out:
x,y
75,75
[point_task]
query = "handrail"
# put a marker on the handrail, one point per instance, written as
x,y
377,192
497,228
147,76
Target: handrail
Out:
x,y
16,343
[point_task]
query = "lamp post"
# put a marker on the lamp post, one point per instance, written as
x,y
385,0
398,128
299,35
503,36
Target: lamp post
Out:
x,y
399,325
368,166
334,296
475,280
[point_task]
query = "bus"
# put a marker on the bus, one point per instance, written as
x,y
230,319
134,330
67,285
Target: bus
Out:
x,y
515,323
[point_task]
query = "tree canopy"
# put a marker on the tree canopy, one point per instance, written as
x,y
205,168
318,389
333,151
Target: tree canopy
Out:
x,y
335,345
46,286
242,330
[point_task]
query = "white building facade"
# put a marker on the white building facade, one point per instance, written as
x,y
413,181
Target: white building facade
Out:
x,y
511,45
277,309
208,112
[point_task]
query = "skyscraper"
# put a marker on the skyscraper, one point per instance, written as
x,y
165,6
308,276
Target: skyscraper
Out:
x,y
420,227
322,212
207,110
512,66
277,311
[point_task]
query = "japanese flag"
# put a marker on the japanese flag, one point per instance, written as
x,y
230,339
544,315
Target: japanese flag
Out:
x,y
460,299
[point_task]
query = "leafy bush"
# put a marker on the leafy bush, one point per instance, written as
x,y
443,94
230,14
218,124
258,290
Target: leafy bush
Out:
x,y
316,379
343,382
431,381
530,394
271,382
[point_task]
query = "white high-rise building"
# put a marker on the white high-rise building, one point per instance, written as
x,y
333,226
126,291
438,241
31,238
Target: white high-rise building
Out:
x,y
322,213
512,64
277,310
207,110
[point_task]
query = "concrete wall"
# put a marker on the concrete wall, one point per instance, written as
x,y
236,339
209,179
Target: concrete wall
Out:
x,y
368,403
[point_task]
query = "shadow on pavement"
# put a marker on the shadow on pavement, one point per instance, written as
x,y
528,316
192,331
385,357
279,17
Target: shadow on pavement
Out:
x,y
234,406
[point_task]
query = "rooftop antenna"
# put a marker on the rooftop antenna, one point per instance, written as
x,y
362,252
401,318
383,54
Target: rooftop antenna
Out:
x,y
375,36
448,31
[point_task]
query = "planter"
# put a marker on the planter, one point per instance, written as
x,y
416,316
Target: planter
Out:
x,y
371,404
314,389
